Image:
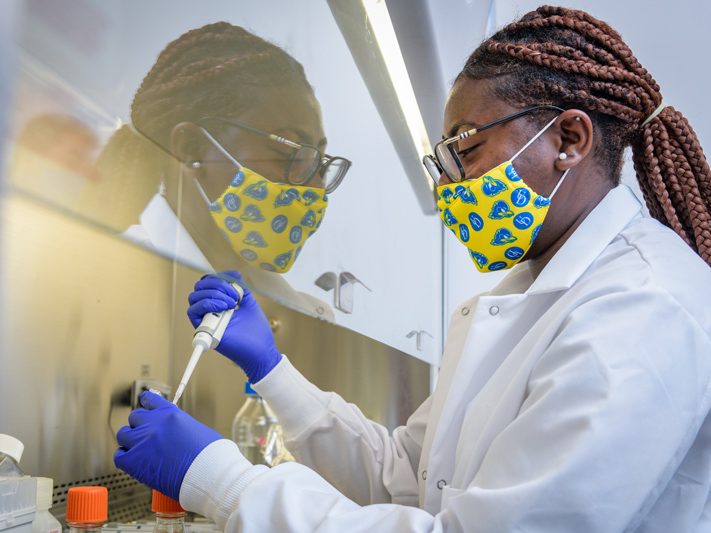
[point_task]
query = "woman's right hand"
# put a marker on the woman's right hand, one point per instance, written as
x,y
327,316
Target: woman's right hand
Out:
x,y
248,339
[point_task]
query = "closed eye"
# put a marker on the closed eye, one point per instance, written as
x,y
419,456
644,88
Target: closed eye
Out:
x,y
466,152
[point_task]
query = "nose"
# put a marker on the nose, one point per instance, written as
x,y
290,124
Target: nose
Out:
x,y
443,180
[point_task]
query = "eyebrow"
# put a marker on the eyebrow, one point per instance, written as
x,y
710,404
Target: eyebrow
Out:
x,y
453,130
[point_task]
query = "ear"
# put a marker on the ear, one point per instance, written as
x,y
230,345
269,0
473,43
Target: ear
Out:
x,y
576,138
187,142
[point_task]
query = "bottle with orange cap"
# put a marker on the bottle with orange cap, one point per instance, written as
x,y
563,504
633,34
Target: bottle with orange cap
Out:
x,y
87,509
170,516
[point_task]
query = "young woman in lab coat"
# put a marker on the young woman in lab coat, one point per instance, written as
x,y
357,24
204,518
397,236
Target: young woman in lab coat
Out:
x,y
574,396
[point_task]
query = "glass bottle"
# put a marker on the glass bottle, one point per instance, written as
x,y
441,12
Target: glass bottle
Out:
x,y
170,516
87,509
256,431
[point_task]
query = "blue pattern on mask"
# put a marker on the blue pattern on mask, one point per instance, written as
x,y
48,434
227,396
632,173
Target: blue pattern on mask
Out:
x,y
447,195
498,265
514,253
282,260
541,201
492,186
523,220
238,179
500,210
476,222
258,190
268,267
535,233
215,207
480,259
279,223
309,197
295,234
232,202
463,232
249,255
309,219
252,214
233,224
511,173
503,236
255,239
465,195
286,197
449,218
520,197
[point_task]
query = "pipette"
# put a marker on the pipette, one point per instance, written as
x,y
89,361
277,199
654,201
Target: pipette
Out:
x,y
207,336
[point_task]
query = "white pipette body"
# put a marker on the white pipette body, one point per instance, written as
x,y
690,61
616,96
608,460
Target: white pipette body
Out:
x,y
207,336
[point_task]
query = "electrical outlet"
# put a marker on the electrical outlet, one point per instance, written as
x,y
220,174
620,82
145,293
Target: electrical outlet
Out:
x,y
141,385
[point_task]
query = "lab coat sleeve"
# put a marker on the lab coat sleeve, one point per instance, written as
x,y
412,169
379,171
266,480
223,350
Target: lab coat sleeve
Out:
x,y
611,409
357,456
222,485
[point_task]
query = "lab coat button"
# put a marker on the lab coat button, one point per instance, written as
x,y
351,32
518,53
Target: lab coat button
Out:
x,y
465,311
494,310
441,483
424,474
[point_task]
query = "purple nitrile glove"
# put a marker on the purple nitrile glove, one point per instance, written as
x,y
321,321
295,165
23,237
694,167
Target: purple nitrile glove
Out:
x,y
161,444
248,339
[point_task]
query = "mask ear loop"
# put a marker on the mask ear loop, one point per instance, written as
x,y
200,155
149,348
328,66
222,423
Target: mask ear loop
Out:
x,y
560,182
529,143
224,152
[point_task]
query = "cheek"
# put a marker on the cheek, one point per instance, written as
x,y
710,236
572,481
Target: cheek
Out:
x,y
534,172
485,161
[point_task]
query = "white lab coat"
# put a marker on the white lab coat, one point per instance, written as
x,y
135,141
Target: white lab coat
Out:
x,y
575,402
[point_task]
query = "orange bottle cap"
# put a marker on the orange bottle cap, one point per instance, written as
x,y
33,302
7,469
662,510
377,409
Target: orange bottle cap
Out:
x,y
163,504
89,505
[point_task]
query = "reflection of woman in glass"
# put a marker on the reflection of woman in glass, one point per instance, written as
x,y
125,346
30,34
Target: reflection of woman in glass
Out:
x,y
243,130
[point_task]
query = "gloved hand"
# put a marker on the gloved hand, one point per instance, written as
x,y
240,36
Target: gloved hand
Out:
x,y
161,444
248,339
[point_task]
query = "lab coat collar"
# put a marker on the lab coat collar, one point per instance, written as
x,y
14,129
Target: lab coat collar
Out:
x,y
599,228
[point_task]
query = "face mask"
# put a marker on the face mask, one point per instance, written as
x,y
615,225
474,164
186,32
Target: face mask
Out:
x,y
497,216
266,223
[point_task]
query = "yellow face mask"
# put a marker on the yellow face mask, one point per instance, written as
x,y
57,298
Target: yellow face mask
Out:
x,y
497,216
267,223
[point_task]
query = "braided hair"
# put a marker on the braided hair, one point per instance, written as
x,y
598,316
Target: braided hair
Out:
x,y
568,58
218,69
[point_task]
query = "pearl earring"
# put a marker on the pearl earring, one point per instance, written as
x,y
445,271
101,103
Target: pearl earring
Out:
x,y
195,164
562,156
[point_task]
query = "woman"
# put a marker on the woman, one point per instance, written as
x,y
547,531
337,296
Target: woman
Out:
x,y
574,396
221,102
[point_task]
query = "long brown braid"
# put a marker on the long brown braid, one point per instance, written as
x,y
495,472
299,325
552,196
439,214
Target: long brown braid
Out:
x,y
218,69
568,58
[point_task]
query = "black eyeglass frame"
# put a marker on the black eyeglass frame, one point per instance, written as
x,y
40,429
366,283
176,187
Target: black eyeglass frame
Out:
x,y
321,164
448,143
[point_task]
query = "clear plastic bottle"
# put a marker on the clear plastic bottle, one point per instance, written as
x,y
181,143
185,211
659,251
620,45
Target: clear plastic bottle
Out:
x,y
87,509
256,431
10,453
44,522
170,516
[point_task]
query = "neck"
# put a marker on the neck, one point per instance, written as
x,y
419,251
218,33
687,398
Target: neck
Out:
x,y
591,198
